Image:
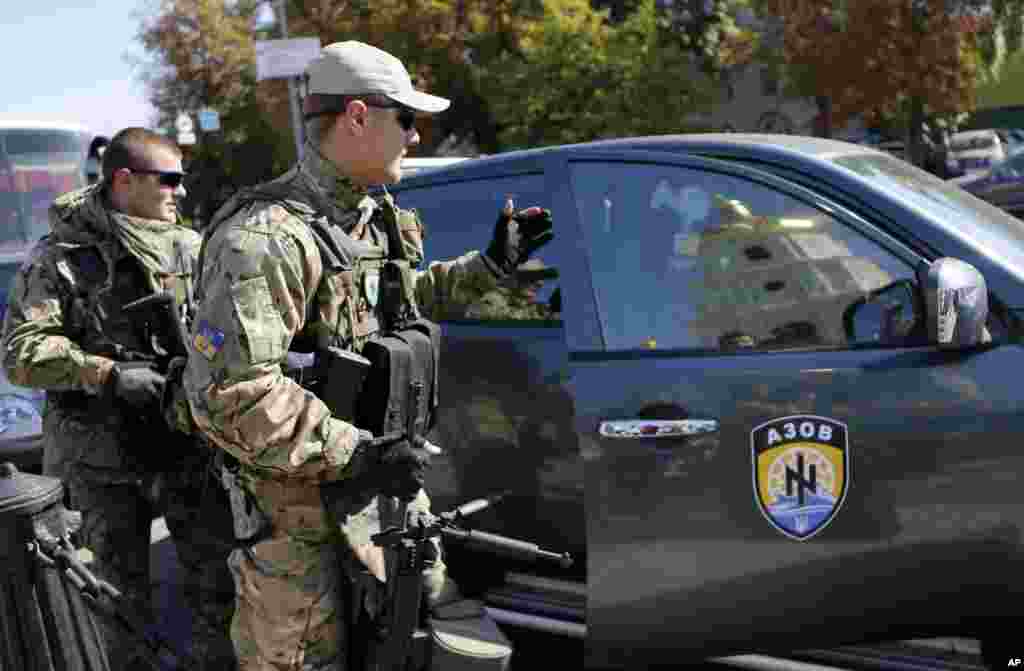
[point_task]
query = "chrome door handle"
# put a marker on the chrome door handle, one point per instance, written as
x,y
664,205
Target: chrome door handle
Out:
x,y
656,428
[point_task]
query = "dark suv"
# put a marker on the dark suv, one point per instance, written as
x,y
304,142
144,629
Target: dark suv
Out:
x,y
727,386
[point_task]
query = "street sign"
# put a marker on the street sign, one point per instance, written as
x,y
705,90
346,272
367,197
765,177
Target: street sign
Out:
x,y
209,120
186,138
183,123
281,59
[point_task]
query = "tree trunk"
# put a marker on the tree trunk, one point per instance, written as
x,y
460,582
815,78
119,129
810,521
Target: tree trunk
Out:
x,y
915,126
825,113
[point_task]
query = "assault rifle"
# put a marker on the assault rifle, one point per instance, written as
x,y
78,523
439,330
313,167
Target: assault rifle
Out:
x,y
397,640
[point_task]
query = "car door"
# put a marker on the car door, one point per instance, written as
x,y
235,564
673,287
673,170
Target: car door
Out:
x,y
506,420
775,459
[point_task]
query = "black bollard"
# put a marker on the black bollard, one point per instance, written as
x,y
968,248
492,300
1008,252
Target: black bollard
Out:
x,y
45,623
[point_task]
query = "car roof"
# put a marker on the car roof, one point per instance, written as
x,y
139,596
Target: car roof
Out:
x,y
775,148
27,124
14,253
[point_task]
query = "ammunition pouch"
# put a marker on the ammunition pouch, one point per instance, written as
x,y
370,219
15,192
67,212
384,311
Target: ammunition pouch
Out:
x,y
401,392
250,523
335,375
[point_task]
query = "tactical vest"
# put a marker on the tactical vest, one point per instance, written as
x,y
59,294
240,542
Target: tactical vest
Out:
x,y
97,288
366,286
366,294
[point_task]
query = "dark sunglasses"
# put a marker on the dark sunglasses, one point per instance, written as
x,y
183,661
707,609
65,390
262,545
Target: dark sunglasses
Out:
x,y
406,116
171,180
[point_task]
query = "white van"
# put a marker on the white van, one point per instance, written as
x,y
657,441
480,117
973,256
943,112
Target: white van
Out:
x,y
39,160
978,150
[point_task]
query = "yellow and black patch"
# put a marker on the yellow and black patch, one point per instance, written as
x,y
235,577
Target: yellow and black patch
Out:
x,y
801,471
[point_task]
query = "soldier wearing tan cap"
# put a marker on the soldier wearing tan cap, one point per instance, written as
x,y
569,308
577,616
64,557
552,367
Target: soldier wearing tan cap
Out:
x,y
269,285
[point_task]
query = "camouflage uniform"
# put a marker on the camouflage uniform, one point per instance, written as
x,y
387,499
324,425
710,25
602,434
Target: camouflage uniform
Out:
x,y
264,287
63,332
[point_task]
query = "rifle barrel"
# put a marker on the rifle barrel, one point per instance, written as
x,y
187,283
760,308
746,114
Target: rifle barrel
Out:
x,y
506,545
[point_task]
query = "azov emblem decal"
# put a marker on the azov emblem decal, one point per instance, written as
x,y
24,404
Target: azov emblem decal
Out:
x,y
801,472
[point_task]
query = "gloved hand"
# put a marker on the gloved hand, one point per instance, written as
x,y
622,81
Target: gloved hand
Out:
x,y
139,387
517,235
337,452
402,470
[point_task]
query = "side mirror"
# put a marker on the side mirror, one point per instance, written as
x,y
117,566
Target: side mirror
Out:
x,y
956,304
890,315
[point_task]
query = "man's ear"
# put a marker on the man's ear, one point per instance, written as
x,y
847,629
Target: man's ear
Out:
x,y
356,116
120,178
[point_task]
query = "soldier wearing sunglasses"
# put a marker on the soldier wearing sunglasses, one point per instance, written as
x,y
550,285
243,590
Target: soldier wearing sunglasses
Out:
x,y
66,331
268,288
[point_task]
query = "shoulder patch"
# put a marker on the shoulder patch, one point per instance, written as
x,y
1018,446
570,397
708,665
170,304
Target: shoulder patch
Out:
x,y
208,340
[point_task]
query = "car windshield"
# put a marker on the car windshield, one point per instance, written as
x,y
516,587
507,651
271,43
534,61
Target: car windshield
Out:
x,y
972,142
977,223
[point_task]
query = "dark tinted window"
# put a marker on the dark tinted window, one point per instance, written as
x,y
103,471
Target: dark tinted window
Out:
x,y
690,259
1011,167
460,216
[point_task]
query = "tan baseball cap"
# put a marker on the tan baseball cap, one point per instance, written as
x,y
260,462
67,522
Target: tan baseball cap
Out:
x,y
350,67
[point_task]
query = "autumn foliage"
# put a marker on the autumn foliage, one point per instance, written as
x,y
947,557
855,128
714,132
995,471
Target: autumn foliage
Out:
x,y
875,54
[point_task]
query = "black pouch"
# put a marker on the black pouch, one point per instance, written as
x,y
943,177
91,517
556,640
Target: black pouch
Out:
x,y
400,393
342,374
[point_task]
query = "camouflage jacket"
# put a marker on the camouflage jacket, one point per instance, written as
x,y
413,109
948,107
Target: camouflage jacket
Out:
x,y
64,330
264,284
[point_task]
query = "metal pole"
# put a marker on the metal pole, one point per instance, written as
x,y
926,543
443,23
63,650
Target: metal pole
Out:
x,y
293,98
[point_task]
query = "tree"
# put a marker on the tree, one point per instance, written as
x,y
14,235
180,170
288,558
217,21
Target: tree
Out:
x,y
202,55
577,77
519,72
711,30
894,58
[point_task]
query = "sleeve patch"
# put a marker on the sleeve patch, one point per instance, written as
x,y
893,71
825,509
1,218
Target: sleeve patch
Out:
x,y
208,341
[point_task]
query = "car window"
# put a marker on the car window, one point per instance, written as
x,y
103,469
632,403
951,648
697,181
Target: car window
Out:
x,y
684,258
460,216
1011,167
973,141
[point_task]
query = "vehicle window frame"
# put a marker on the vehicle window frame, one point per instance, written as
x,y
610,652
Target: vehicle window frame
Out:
x,y
425,180
732,168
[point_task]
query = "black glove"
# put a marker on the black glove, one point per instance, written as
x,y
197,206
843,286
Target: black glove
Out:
x,y
402,469
518,235
138,387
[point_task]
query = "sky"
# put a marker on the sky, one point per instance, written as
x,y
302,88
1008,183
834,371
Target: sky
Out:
x,y
65,60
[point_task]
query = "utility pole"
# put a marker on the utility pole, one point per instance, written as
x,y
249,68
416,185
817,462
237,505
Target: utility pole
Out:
x,y
293,93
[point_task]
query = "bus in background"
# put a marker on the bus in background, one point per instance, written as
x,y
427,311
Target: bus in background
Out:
x,y
39,160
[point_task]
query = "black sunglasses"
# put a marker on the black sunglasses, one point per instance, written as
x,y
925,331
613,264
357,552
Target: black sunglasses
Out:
x,y
406,116
171,180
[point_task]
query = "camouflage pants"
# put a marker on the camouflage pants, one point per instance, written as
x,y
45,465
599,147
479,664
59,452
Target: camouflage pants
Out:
x,y
286,584
116,519
288,615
